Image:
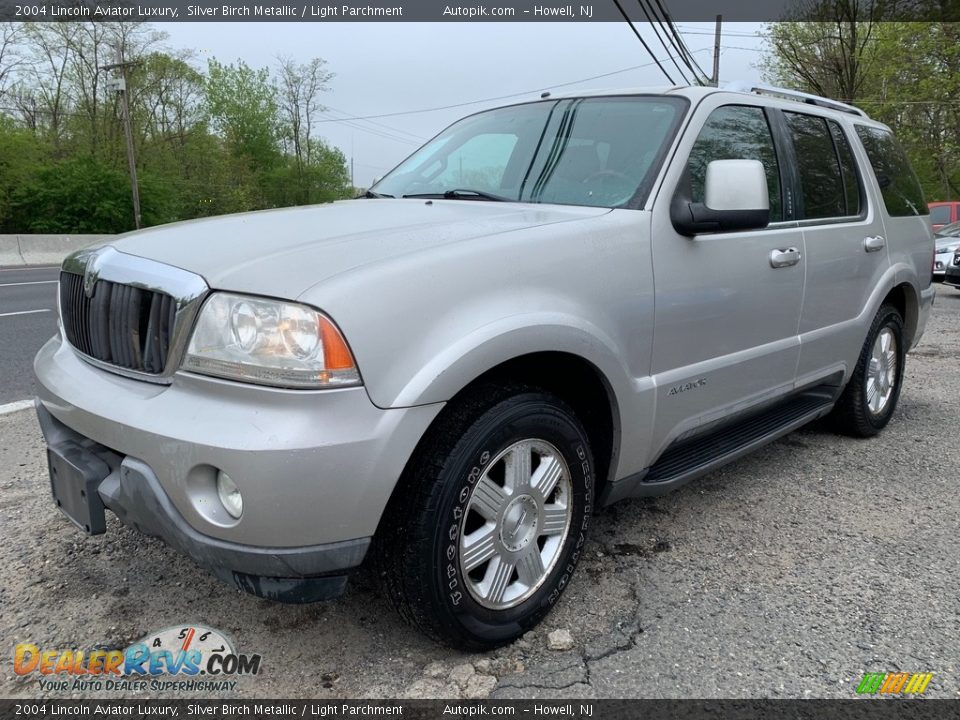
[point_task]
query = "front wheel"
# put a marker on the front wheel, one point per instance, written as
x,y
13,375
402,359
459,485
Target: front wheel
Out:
x,y
490,519
868,401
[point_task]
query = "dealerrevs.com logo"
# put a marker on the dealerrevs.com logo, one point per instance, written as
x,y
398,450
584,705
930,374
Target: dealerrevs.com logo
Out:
x,y
184,658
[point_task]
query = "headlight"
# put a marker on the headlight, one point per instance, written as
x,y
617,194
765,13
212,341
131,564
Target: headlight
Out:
x,y
269,342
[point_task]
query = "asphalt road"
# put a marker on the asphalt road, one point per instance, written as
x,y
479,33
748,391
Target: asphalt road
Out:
x,y
789,573
28,318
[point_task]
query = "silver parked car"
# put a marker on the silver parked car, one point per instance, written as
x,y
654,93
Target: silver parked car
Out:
x,y
547,308
947,241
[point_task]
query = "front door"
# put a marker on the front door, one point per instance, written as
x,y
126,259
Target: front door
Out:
x,y
727,306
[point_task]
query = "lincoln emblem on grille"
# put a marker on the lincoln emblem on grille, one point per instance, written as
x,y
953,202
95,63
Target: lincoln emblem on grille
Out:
x,y
92,270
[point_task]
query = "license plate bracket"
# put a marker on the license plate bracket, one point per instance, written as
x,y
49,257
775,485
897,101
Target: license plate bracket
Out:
x,y
75,474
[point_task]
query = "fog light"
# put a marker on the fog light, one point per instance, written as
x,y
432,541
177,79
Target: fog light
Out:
x,y
229,494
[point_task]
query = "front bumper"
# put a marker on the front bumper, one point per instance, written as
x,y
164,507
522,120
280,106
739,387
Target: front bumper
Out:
x,y
952,276
316,469
133,492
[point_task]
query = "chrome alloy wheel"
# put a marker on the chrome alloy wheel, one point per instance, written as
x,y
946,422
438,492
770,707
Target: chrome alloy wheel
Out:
x,y
515,525
882,371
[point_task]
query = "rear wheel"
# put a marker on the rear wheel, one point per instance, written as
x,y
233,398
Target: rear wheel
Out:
x,y
868,401
489,522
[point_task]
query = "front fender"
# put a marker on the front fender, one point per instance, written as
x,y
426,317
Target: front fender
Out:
x,y
453,367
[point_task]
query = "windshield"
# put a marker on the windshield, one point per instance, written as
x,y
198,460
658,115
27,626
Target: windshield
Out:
x,y
601,152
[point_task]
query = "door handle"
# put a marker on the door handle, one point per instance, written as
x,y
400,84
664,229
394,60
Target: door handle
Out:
x,y
784,258
874,243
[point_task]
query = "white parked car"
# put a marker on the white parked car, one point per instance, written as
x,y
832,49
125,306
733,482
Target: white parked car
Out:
x,y
948,241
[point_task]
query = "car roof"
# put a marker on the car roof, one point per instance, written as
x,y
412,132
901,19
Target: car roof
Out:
x,y
774,96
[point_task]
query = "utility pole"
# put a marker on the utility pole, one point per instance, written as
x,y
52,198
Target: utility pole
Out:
x,y
715,80
120,86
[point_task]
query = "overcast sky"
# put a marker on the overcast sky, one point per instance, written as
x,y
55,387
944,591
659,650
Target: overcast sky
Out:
x,y
395,67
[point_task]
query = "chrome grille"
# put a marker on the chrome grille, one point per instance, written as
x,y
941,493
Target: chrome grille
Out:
x,y
119,324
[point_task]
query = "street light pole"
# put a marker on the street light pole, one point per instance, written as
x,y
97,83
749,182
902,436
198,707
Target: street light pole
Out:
x,y
120,85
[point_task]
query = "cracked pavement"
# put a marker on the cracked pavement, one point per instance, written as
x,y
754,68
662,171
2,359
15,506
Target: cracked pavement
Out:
x,y
789,573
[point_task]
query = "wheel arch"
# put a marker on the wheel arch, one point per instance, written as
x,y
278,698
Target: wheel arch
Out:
x,y
580,384
906,300
574,379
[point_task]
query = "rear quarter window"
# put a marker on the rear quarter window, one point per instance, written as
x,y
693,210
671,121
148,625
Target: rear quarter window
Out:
x,y
899,186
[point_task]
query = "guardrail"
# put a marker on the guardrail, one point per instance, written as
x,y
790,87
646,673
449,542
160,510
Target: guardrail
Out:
x,y
20,250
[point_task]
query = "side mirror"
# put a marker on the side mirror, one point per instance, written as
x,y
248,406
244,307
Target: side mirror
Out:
x,y
735,198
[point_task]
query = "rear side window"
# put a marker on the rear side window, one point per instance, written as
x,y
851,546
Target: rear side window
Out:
x,y
940,214
821,178
899,186
852,189
736,132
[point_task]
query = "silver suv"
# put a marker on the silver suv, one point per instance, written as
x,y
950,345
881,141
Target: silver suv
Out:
x,y
547,308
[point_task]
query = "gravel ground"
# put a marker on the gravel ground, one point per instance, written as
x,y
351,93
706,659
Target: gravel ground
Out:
x,y
787,574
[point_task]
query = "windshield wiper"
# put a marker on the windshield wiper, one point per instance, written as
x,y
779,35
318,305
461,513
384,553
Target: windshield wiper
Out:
x,y
461,194
372,194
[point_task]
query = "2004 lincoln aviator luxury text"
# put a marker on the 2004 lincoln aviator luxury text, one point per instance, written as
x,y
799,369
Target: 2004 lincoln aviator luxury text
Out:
x,y
549,307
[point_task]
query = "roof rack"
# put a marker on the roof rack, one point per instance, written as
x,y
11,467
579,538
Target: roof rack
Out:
x,y
795,95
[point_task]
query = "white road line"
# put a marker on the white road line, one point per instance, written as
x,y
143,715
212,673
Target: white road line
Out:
x,y
35,282
15,406
34,268
23,312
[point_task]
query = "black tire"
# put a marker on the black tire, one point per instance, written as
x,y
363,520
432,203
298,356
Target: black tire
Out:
x,y
852,414
417,551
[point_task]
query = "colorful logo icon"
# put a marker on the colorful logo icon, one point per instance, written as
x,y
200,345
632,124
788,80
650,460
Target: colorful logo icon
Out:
x,y
894,683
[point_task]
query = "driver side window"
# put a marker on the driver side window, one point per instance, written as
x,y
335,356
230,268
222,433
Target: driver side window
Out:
x,y
736,132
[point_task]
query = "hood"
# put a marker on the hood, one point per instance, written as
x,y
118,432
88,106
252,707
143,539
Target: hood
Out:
x,y
282,253
946,242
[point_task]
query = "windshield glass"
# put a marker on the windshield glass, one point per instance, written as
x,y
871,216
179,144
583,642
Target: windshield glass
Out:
x,y
602,152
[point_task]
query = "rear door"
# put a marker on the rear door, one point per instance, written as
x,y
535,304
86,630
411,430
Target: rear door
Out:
x,y
725,335
845,241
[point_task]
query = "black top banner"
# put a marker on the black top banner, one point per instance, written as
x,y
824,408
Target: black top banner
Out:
x,y
447,11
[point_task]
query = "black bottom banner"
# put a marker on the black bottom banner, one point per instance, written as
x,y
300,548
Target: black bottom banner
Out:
x,y
917,709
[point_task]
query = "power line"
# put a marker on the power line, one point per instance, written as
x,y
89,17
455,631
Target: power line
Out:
x,y
665,22
644,6
688,30
688,56
524,93
374,131
642,41
389,128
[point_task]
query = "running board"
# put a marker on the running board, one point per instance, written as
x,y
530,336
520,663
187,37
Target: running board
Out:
x,y
692,457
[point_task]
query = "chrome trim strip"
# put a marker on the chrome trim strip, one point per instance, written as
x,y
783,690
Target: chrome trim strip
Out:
x,y
186,288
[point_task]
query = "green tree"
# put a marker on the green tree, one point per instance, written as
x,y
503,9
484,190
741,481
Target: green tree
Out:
x,y
242,106
227,139
83,195
298,89
21,155
324,179
905,74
